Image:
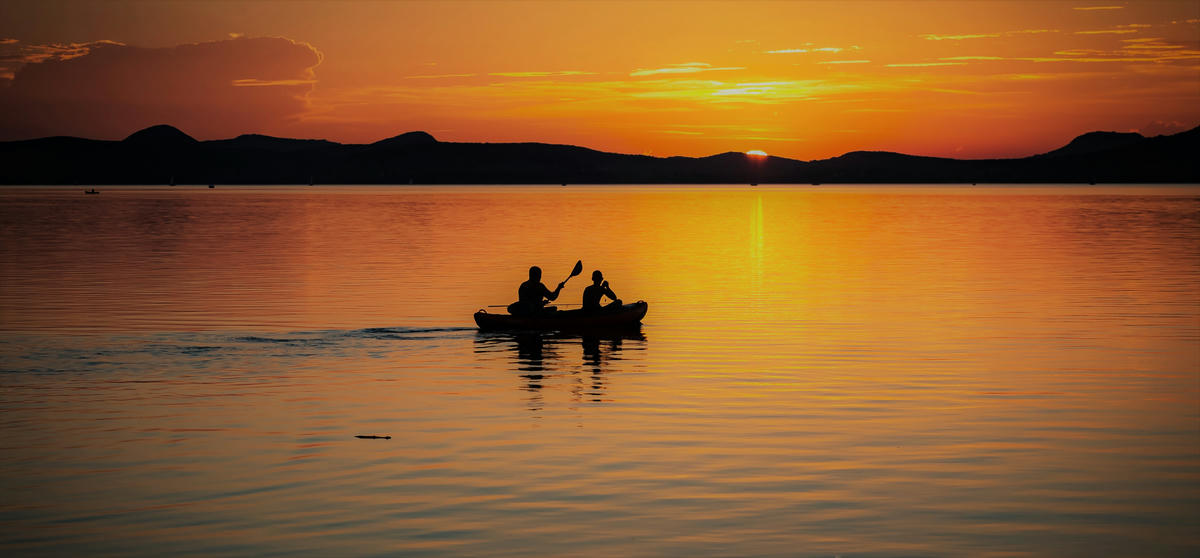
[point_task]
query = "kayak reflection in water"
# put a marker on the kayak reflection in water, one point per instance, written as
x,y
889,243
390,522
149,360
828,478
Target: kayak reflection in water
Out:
x,y
597,290
532,295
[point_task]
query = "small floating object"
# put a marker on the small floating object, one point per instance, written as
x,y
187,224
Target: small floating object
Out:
x,y
212,185
92,191
373,437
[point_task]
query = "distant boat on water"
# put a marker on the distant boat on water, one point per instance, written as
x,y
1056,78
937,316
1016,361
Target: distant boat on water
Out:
x,y
92,191
212,185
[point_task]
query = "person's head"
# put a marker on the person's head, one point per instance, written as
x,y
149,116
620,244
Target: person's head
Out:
x,y
535,273
597,277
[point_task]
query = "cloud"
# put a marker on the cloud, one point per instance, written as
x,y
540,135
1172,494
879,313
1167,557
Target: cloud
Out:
x,y
440,76
809,50
925,64
933,37
844,62
14,55
543,74
1163,127
108,90
685,68
12,51
1118,30
1149,49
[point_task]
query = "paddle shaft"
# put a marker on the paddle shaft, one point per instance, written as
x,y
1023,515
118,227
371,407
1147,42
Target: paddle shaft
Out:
x,y
507,305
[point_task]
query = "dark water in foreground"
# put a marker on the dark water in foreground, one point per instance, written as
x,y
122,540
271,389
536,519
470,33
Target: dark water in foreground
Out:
x,y
875,371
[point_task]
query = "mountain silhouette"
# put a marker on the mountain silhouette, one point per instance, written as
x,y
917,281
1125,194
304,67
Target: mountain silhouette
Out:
x,y
1097,141
164,154
159,136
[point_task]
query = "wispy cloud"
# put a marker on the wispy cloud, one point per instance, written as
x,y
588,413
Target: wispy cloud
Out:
x,y
1094,8
844,62
925,64
14,51
1118,30
1156,43
749,89
931,37
934,37
440,76
14,55
807,50
270,83
685,68
1154,50
543,74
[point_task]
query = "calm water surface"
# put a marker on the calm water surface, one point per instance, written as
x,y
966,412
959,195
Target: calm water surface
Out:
x,y
873,371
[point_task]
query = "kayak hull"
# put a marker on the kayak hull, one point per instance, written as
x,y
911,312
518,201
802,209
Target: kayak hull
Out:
x,y
625,317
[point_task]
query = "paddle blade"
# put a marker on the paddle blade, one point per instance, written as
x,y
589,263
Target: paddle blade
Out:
x,y
577,269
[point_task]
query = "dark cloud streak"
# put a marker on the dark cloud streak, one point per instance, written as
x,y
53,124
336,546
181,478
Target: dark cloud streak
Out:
x,y
107,90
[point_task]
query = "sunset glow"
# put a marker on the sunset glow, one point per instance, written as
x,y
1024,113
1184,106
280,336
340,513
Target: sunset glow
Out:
x,y
803,79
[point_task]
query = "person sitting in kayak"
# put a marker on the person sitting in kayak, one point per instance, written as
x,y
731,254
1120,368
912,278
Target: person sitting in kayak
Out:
x,y
594,292
532,295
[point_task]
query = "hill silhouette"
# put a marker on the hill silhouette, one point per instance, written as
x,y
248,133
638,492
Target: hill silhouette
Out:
x,y
163,154
160,136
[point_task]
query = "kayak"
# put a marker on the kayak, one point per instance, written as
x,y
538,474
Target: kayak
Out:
x,y
625,316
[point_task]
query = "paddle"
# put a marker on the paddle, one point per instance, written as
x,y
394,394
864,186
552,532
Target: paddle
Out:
x,y
574,271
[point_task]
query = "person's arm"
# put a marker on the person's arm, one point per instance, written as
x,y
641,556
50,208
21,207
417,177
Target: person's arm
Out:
x,y
551,295
609,292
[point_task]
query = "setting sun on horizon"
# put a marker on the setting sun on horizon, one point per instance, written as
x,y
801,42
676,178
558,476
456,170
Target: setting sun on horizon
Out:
x,y
804,79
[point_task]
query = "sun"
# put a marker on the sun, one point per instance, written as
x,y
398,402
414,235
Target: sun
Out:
x,y
756,153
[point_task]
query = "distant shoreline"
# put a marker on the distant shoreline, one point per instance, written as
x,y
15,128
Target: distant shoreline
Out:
x,y
163,155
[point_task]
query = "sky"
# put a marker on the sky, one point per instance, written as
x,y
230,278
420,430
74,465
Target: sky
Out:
x,y
806,80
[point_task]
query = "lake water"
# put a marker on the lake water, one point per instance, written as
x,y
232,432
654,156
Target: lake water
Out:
x,y
824,371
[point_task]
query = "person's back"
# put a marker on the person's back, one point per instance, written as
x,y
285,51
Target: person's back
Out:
x,y
597,290
532,295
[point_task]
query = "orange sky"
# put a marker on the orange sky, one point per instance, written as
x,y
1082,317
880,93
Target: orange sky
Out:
x,y
798,79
